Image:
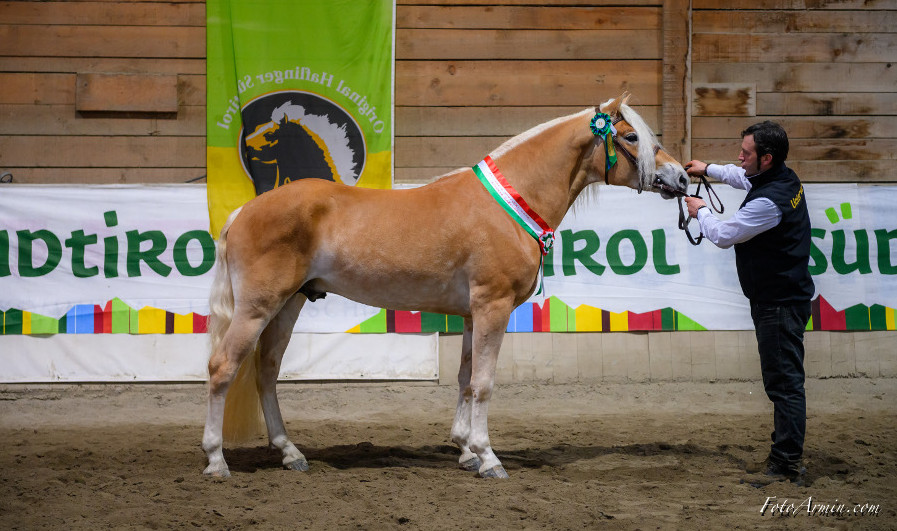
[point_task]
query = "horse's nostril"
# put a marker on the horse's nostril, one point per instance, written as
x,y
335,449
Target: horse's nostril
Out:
x,y
683,181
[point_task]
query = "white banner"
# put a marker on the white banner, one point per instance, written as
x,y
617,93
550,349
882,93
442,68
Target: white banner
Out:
x,y
623,253
137,259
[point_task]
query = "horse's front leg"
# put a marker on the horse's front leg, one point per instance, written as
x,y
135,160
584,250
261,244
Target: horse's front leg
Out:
x,y
489,324
461,426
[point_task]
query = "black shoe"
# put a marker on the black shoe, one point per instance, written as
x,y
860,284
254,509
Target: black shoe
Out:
x,y
771,471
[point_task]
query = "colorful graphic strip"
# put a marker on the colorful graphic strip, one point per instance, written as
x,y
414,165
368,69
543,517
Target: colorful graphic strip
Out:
x,y
552,316
857,317
555,316
115,317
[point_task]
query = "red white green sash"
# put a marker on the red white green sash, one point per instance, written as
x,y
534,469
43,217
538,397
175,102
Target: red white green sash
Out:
x,y
510,200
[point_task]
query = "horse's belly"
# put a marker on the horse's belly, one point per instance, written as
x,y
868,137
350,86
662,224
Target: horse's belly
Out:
x,y
398,290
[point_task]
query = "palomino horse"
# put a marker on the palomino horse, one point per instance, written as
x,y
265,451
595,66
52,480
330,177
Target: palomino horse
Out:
x,y
456,246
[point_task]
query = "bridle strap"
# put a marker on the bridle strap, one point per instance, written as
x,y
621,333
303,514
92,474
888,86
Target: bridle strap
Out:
x,y
628,156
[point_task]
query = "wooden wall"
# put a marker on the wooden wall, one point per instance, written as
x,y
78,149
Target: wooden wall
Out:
x,y
59,124
825,69
114,91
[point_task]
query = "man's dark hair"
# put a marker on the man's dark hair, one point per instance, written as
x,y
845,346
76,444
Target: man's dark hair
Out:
x,y
770,138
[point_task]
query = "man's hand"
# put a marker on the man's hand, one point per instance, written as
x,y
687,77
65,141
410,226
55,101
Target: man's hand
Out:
x,y
696,168
694,203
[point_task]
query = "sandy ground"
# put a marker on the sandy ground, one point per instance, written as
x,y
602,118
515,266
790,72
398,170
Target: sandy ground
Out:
x,y
621,456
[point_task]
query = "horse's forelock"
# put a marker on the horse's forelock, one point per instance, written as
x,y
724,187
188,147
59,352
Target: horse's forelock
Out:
x,y
646,143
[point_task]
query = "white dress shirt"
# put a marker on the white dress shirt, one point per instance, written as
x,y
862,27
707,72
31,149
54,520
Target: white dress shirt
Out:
x,y
757,216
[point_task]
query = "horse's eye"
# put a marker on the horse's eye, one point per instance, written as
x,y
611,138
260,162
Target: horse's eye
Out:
x,y
631,137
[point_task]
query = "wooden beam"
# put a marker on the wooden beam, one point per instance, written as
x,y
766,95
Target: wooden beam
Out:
x,y
516,83
528,17
127,93
676,78
724,99
532,44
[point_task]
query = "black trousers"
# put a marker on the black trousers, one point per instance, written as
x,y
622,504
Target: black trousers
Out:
x,y
780,341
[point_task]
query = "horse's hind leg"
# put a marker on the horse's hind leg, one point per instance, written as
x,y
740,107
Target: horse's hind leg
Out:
x,y
272,344
461,426
238,343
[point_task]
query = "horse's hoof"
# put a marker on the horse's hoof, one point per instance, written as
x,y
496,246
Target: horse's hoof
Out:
x,y
216,472
471,465
497,471
299,464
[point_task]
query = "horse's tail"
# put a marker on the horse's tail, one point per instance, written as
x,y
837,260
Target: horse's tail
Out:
x,y
242,416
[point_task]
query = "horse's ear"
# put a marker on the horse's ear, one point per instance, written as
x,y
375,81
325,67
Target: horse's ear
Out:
x,y
613,107
624,99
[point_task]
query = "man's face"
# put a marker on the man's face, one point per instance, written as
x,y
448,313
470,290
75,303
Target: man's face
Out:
x,y
748,156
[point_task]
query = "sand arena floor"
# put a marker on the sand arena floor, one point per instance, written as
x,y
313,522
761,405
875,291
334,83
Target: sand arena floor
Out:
x,y
614,456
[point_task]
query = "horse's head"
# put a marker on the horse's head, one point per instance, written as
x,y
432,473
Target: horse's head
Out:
x,y
261,141
642,162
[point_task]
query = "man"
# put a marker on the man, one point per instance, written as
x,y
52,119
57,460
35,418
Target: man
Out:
x,y
771,235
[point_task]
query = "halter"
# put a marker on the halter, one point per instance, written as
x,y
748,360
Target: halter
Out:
x,y
603,128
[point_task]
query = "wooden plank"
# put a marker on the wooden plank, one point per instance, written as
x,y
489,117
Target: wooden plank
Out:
x,y
41,88
65,120
116,13
778,22
769,5
676,82
802,127
417,176
794,47
528,2
489,121
528,17
37,89
102,151
724,99
127,93
827,103
107,175
804,149
529,44
448,151
514,83
803,77
137,1
102,64
834,171
103,41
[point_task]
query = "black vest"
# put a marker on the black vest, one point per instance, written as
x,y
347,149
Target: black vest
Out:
x,y
773,265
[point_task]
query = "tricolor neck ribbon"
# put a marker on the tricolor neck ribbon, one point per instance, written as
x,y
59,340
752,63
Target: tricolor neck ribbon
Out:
x,y
506,196
603,127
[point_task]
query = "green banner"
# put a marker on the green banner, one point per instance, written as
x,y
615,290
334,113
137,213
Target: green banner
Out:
x,y
297,89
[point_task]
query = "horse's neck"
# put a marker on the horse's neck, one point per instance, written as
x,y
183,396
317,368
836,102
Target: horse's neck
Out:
x,y
545,169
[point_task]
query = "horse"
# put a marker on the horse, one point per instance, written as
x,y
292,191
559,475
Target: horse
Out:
x,y
300,145
454,246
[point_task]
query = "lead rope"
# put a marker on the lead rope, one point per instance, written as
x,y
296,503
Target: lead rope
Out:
x,y
685,219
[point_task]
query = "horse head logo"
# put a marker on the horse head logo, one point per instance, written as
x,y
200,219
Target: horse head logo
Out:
x,y
297,143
